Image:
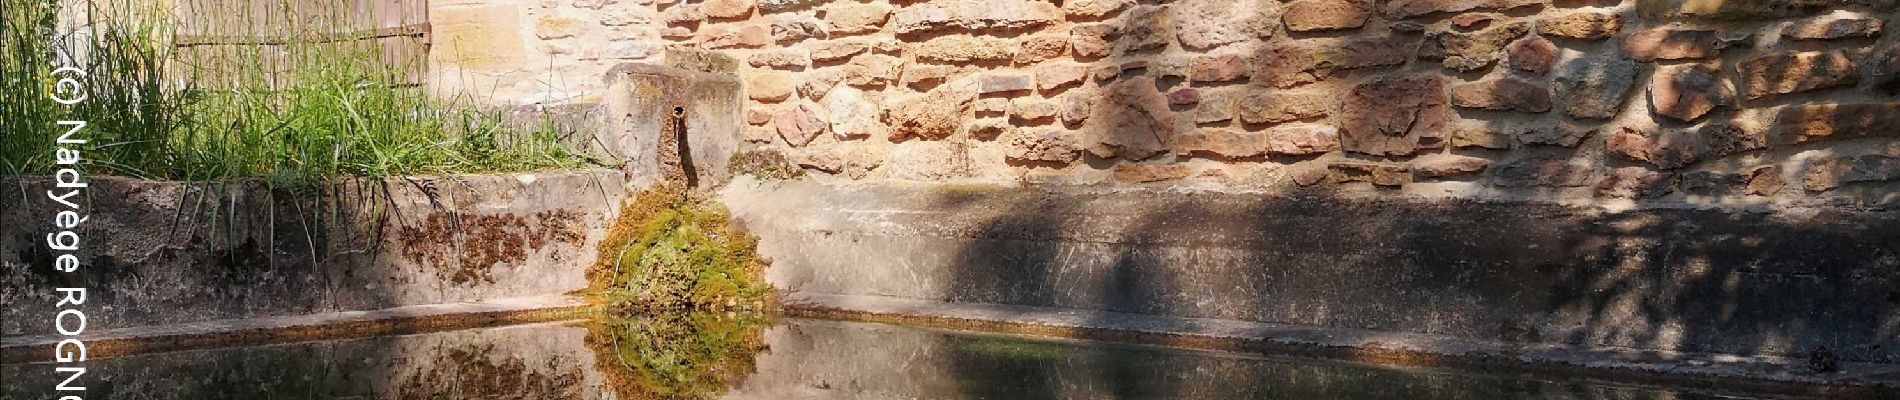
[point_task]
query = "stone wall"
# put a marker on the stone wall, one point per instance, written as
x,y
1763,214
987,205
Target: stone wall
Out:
x,y
1717,102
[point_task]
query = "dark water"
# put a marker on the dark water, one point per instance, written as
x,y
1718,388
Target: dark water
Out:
x,y
703,357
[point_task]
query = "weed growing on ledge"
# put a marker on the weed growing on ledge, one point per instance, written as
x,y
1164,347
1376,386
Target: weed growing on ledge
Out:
x,y
671,250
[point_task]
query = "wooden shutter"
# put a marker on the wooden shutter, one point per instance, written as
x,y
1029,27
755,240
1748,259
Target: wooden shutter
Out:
x,y
221,43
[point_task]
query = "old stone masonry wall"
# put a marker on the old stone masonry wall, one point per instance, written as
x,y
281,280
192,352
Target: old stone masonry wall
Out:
x,y
1711,101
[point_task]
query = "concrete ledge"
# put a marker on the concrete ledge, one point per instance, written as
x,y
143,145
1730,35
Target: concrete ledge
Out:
x,y
1754,374
337,325
1779,282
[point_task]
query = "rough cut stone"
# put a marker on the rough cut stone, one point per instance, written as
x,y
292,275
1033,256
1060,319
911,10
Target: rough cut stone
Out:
x,y
800,124
1595,87
1806,123
1093,8
990,128
932,116
770,87
780,5
1687,92
1043,145
974,15
1668,149
1833,26
794,28
1289,64
873,70
1828,172
855,161
727,9
1077,106
1094,40
1402,9
1145,173
1049,77
1377,174
1479,134
992,106
1764,180
1302,139
1029,109
1543,172
1471,51
1437,166
682,14
964,49
1326,15
1001,83
1502,94
1395,116
1145,28
854,113
1724,139
557,27
852,19
1886,69
1218,68
759,134
1184,97
748,36
815,84
927,75
834,50
1532,55
1582,25
1672,44
758,116
1792,72
1207,24
1634,182
780,59
1563,135
1213,106
1221,143
1132,121
1035,49
1278,106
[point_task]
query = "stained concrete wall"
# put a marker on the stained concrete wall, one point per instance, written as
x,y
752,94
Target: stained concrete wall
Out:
x,y
171,252
1684,277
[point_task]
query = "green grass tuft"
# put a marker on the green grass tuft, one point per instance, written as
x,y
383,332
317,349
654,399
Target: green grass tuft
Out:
x,y
319,110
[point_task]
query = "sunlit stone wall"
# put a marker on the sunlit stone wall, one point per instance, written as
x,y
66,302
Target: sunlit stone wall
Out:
x,y
1749,102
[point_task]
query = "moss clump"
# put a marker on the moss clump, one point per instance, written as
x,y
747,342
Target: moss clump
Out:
x,y
676,355
765,164
671,250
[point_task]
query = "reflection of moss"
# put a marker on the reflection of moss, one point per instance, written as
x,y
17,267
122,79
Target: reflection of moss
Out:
x,y
670,250
676,355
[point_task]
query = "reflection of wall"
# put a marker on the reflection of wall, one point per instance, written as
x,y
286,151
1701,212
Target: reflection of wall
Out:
x,y
814,359
1734,102
169,252
542,361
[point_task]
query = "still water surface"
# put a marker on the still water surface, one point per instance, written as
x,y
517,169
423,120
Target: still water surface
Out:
x,y
715,356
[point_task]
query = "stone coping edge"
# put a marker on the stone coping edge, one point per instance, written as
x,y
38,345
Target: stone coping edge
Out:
x,y
1747,375
299,328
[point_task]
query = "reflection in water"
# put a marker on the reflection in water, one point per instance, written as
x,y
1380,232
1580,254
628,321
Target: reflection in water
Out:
x,y
676,355
705,356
